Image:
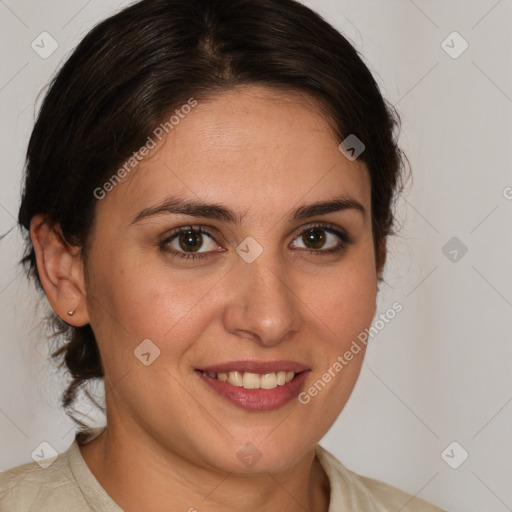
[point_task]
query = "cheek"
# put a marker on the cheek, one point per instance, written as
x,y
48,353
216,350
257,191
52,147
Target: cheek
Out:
x,y
351,306
342,309
345,300
131,301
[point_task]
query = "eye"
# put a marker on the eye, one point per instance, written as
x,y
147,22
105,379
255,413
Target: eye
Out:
x,y
322,239
189,242
194,242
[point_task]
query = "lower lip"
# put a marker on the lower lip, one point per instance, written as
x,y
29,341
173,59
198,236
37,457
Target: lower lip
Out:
x,y
257,399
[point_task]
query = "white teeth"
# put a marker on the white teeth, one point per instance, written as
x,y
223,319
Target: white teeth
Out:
x,y
250,380
268,381
235,379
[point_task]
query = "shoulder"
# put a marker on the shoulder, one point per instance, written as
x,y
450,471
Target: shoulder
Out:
x,y
355,492
52,485
21,487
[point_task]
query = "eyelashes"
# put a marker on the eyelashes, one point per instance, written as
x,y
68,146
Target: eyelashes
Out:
x,y
198,238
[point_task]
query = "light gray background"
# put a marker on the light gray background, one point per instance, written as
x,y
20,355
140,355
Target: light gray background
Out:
x,y
441,371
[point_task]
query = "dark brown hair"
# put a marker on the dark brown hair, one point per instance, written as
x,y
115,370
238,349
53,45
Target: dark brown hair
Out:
x,y
134,68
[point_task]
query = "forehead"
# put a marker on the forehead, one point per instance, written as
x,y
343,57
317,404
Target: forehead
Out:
x,y
255,148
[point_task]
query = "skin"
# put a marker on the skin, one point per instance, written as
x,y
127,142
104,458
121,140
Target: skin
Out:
x,y
171,439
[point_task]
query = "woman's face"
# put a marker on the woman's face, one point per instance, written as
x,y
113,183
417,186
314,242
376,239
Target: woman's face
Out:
x,y
258,283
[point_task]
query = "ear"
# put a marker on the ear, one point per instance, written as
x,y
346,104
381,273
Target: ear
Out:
x,y
60,270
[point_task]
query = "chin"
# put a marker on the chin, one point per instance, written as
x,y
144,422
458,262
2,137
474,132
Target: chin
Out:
x,y
260,456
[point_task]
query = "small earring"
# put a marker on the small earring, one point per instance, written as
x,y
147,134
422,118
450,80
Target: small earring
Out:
x,y
71,312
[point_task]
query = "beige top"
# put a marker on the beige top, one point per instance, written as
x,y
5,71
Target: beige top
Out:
x,y
68,485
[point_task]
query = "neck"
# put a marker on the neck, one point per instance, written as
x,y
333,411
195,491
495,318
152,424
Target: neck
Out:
x,y
139,474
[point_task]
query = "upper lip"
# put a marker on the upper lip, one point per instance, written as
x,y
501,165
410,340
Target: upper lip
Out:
x,y
260,367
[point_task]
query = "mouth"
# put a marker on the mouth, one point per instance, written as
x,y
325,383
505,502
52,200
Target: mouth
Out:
x,y
255,385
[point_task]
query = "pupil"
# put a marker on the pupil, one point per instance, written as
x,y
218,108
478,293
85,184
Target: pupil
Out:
x,y
314,237
190,240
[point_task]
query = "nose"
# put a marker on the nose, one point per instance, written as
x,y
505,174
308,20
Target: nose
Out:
x,y
263,306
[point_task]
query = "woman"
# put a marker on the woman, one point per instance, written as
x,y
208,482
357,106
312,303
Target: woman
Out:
x,y
208,195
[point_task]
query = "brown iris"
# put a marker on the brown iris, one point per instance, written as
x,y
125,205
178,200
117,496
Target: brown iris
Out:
x,y
190,241
314,238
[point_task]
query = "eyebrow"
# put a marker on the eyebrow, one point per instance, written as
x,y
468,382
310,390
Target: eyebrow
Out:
x,y
175,205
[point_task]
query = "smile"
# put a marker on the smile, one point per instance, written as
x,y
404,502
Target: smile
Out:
x,y
256,385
